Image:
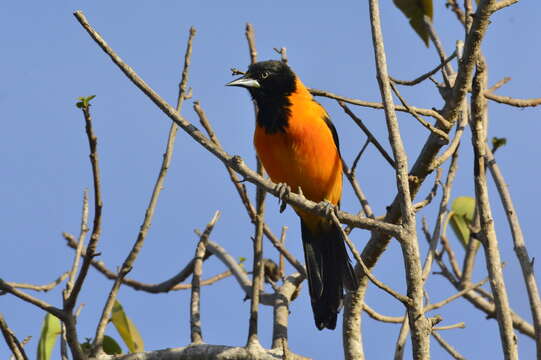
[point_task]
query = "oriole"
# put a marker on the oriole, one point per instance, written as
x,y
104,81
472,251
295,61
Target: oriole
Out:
x,y
298,145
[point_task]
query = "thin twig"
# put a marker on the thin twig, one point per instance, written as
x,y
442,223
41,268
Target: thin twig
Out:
x,y
80,244
424,76
431,195
440,217
401,340
195,311
368,134
282,263
460,325
453,5
359,193
455,143
499,84
250,37
283,54
403,299
170,284
44,288
455,296
90,253
380,317
239,273
4,286
519,246
451,255
377,105
451,350
444,137
11,340
513,101
447,69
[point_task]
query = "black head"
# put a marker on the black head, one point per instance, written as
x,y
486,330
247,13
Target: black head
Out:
x,y
267,80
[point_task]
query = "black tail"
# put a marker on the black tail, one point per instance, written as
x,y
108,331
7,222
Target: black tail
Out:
x,y
329,271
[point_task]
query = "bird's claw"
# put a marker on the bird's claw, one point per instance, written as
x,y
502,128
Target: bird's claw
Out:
x,y
328,207
283,190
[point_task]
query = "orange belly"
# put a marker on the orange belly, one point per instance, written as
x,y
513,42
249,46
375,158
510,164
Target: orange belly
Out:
x,y
304,156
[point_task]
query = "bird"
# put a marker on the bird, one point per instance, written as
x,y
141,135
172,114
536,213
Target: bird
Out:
x,y
298,146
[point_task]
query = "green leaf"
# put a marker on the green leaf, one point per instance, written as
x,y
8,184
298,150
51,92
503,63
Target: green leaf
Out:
x,y
461,217
498,143
110,346
84,101
50,330
126,328
87,346
415,11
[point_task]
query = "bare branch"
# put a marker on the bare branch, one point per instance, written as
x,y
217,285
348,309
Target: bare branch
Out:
x,y
195,313
11,340
79,250
208,352
513,101
519,246
424,76
368,134
459,294
451,350
170,284
44,288
239,273
499,84
488,232
383,318
460,325
281,308
250,37
444,137
455,143
403,299
283,54
69,303
282,264
376,105
430,196
503,4
401,340
32,300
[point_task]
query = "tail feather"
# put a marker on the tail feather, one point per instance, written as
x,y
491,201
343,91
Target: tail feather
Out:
x,y
329,271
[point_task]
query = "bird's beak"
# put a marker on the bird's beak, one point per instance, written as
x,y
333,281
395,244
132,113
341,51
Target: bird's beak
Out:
x,y
245,81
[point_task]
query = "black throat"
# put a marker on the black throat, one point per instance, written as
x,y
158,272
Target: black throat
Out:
x,y
273,113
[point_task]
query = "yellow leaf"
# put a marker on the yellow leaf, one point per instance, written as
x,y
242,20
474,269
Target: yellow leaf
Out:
x,y
126,328
461,217
50,330
415,11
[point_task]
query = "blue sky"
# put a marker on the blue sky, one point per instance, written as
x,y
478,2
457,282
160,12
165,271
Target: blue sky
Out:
x,y
48,61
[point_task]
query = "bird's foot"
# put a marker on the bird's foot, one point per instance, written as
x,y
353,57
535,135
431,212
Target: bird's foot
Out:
x,y
328,207
283,190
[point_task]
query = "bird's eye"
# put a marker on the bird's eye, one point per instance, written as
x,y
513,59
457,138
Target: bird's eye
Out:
x,y
265,75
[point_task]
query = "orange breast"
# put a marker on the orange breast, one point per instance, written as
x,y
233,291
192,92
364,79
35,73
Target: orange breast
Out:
x,y
305,155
